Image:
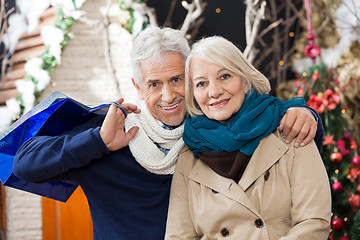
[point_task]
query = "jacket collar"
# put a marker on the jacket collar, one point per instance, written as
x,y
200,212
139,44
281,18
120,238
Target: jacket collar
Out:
x,y
204,175
269,151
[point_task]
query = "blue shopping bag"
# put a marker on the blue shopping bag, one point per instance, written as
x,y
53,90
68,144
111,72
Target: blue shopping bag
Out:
x,y
51,117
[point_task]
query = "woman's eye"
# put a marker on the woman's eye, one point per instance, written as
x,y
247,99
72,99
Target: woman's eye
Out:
x,y
200,84
225,76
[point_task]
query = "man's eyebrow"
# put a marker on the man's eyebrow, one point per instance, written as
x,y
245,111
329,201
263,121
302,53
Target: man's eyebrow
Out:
x,y
152,80
176,76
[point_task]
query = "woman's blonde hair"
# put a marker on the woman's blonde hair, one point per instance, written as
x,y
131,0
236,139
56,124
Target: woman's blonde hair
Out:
x,y
222,52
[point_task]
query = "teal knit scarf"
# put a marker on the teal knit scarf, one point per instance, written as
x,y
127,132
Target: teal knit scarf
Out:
x,y
259,116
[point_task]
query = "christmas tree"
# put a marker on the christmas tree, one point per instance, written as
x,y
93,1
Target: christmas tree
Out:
x,y
320,88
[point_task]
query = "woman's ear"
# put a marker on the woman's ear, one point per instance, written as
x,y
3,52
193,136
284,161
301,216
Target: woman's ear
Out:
x,y
247,86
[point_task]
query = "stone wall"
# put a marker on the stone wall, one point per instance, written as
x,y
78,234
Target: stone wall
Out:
x,y
23,215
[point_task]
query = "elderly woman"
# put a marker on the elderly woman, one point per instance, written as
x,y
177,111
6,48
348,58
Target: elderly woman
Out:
x,y
239,179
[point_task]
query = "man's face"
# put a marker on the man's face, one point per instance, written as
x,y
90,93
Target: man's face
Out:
x,y
163,88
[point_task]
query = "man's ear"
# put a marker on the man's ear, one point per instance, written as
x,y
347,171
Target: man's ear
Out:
x,y
138,89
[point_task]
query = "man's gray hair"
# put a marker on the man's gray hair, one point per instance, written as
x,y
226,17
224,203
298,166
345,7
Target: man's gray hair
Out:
x,y
150,45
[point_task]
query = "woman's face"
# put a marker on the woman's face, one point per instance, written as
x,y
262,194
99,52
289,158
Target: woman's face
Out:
x,y
219,92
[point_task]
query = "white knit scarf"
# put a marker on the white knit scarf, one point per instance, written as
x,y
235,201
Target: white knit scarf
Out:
x,y
143,146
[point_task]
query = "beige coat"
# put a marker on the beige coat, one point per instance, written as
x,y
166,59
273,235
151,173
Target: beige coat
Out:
x,y
284,193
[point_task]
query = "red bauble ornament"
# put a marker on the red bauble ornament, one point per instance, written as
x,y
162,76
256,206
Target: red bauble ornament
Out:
x,y
344,238
347,136
337,186
354,174
312,51
315,76
337,224
356,160
336,157
354,200
358,188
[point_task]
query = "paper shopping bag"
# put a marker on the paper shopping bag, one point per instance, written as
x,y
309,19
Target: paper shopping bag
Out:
x,y
51,117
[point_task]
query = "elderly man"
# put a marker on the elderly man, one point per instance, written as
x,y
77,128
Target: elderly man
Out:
x,y
126,174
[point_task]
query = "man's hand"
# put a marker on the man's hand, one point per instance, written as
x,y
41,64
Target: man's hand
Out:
x,y
112,130
298,122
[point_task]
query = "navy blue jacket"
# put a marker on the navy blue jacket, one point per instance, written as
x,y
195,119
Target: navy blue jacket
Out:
x,y
126,201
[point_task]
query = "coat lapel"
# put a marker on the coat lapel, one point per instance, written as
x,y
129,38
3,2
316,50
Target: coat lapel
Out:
x,y
269,151
204,175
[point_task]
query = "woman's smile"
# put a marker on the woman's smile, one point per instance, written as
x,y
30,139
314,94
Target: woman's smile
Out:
x,y
219,104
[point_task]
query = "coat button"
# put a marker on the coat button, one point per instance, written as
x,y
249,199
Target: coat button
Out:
x,y
214,191
266,175
259,223
224,232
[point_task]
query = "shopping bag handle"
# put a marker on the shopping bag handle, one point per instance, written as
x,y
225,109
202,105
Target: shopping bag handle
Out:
x,y
99,107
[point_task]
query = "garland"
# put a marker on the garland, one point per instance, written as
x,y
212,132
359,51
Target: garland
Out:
x,y
46,63
136,20
39,70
